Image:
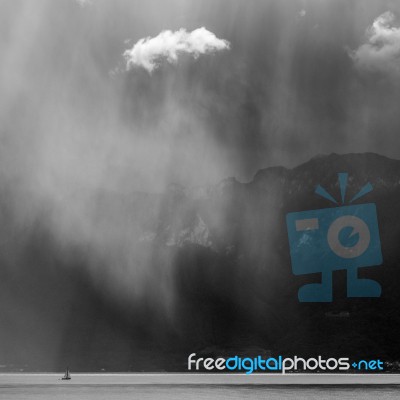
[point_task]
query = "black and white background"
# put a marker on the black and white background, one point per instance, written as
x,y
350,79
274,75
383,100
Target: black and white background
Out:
x,y
149,152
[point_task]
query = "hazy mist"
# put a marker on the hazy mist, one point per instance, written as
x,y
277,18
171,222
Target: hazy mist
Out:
x,y
80,124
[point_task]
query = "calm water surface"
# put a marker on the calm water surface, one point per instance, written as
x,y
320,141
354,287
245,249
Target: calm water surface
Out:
x,y
110,392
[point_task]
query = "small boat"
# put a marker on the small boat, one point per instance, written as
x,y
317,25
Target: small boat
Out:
x,y
67,376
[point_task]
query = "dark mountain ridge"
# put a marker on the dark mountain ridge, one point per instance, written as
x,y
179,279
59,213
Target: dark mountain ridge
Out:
x,y
221,253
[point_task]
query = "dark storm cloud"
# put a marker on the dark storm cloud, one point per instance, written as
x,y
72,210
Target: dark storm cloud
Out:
x,y
285,91
79,147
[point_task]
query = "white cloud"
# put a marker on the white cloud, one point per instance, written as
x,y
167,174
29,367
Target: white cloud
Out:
x,y
148,52
381,52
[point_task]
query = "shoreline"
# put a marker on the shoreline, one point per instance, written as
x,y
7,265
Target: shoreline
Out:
x,y
10,379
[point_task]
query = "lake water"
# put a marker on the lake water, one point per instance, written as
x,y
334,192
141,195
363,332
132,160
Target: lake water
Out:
x,y
197,392
108,386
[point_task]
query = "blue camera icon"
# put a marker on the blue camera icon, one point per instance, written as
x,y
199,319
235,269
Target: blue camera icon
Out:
x,y
338,238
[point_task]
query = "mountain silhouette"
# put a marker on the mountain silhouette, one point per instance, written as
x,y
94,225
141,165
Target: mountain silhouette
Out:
x,y
224,251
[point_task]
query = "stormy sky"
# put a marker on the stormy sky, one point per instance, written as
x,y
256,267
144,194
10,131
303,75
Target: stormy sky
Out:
x,y
129,96
295,79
